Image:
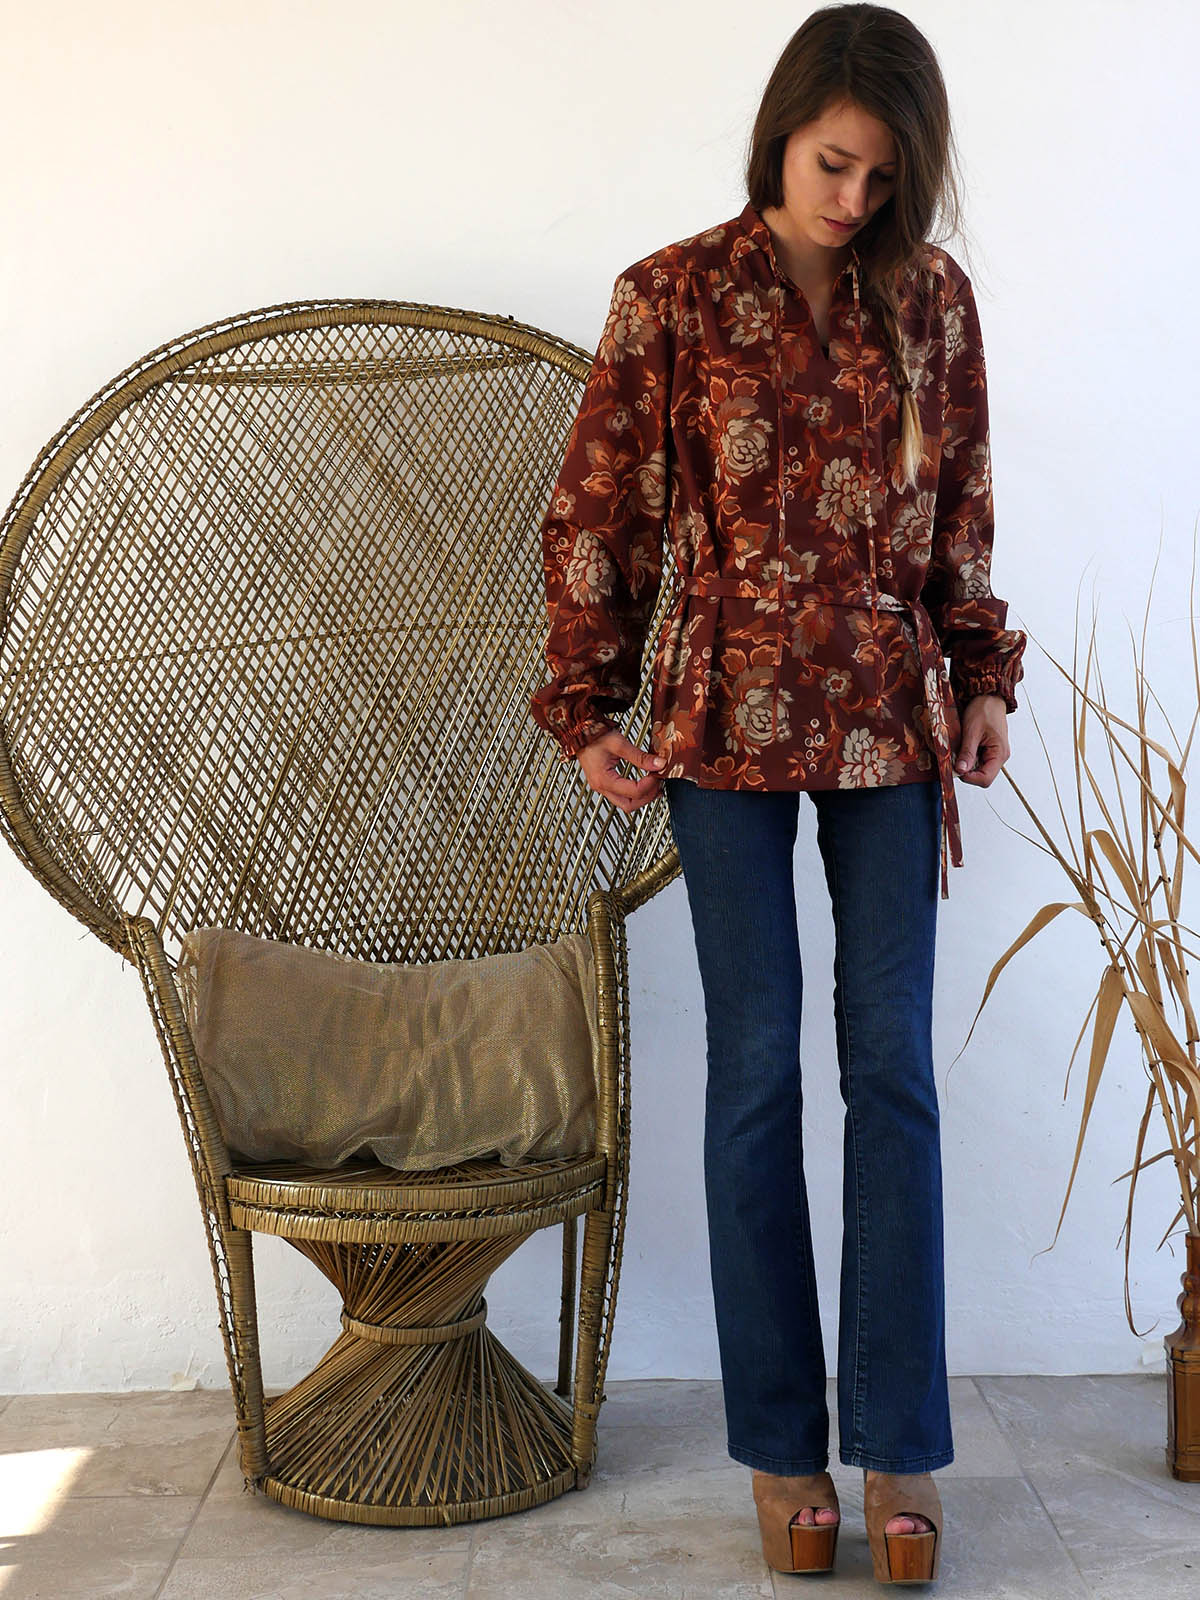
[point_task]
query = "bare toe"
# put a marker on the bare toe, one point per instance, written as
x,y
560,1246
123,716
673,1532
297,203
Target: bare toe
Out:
x,y
808,1516
909,1524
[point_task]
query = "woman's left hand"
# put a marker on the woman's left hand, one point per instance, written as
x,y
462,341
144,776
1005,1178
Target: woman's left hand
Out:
x,y
983,749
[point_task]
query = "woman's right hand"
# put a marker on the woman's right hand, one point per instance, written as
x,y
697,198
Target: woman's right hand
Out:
x,y
600,761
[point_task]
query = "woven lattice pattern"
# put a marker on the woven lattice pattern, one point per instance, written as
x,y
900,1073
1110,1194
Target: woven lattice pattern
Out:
x,y
274,618
270,618
426,1423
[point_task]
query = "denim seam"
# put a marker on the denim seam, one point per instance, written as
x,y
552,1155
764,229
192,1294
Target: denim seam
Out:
x,y
858,1400
803,1238
864,1458
782,1466
803,1244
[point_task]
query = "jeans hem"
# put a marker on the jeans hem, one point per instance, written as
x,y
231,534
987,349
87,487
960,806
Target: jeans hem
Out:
x,y
864,1458
778,1466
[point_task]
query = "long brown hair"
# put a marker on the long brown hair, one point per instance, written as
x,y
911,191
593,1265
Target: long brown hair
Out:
x,y
878,59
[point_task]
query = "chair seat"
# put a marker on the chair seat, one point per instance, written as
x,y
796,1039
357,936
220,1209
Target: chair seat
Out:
x,y
365,1202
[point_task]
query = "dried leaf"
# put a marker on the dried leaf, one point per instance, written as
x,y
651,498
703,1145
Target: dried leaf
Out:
x,y
1141,1164
1177,981
1112,990
1127,1230
1035,925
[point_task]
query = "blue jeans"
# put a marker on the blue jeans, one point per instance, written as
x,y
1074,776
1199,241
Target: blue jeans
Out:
x,y
880,852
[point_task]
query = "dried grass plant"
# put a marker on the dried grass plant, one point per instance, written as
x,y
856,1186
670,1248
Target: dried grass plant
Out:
x,y
1124,855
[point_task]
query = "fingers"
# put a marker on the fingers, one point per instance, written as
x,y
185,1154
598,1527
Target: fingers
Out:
x,y
601,760
648,760
991,756
627,794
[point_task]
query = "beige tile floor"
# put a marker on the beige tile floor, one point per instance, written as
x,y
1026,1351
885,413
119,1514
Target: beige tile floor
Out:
x,y
1059,1489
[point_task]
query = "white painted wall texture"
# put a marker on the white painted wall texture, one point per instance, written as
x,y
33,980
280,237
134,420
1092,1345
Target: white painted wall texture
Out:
x,y
168,166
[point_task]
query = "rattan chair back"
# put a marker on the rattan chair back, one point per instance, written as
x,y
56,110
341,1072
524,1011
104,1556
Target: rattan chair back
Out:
x,y
270,616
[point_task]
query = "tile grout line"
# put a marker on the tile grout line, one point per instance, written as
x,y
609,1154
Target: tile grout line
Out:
x,y
466,1583
183,1538
1087,1588
1029,1484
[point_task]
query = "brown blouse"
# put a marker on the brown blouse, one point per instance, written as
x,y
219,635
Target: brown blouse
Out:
x,y
814,598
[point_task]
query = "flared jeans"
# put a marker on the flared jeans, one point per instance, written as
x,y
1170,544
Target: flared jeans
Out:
x,y
880,852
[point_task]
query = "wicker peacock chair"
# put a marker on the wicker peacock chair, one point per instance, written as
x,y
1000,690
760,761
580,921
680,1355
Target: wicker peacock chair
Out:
x,y
271,612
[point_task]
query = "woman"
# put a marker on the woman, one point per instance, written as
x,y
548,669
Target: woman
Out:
x,y
798,394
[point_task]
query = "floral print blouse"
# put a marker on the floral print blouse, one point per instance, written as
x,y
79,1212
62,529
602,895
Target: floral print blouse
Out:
x,y
814,598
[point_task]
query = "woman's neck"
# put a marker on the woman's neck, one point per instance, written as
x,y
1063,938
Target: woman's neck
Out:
x,y
810,266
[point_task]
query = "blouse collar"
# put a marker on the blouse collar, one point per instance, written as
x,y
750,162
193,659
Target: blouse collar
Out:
x,y
752,225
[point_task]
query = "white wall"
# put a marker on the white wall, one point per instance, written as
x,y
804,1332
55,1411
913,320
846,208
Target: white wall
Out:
x,y
169,165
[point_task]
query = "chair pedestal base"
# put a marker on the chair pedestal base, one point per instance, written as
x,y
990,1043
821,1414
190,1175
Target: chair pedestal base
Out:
x,y
423,1423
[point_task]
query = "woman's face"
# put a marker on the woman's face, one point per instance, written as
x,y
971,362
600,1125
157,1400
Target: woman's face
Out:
x,y
839,168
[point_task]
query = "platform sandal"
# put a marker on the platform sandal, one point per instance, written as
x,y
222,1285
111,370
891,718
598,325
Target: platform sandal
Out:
x,y
788,1545
902,1557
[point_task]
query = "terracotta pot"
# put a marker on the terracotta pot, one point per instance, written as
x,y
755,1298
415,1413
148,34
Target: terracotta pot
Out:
x,y
1183,1375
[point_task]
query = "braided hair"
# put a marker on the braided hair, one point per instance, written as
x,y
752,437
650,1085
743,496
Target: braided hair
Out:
x,y
911,448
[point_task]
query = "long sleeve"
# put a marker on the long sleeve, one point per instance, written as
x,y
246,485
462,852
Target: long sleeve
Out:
x,y
984,655
602,537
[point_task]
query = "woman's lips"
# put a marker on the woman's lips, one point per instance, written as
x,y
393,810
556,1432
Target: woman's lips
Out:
x,y
841,227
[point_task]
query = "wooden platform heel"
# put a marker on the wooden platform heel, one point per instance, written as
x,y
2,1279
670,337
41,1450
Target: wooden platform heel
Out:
x,y
788,1545
902,1557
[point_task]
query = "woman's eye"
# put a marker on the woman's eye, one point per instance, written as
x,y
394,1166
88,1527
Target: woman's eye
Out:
x,y
877,177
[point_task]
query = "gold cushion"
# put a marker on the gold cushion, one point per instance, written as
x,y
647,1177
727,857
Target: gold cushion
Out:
x,y
314,1056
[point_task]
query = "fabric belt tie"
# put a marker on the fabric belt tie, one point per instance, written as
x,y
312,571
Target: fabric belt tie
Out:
x,y
934,676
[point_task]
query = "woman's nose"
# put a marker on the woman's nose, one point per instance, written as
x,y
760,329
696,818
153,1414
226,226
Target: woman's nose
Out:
x,y
853,199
